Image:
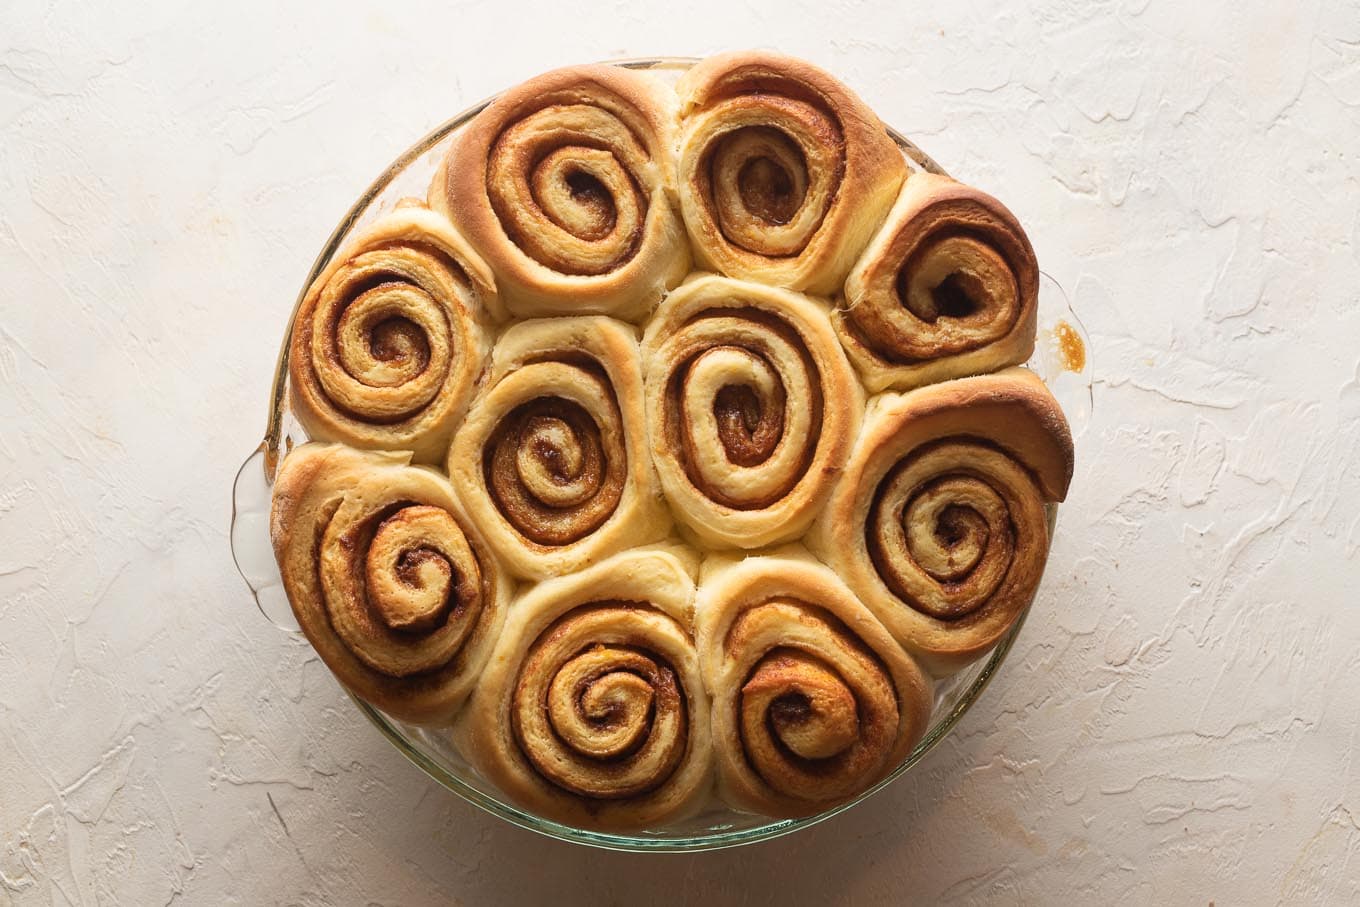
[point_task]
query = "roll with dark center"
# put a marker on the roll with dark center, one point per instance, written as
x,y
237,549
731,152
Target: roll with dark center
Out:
x,y
389,339
947,288
566,185
784,173
592,710
939,522
813,701
751,406
552,460
393,587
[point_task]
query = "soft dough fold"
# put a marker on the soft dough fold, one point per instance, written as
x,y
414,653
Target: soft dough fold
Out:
x,y
389,340
391,584
939,522
751,408
565,183
552,460
813,701
947,288
784,173
592,710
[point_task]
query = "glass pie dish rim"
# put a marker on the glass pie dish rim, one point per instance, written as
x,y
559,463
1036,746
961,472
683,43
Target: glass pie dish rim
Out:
x,y
268,453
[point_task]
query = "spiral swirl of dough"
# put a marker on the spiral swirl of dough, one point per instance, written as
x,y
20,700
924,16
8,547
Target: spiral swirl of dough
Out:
x,y
552,461
813,701
753,408
784,173
593,709
948,288
624,308
939,523
389,341
565,184
399,597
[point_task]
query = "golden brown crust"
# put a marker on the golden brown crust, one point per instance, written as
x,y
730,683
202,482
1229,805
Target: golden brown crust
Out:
x,y
592,710
564,183
552,460
813,702
784,173
751,408
947,288
938,523
393,588
389,340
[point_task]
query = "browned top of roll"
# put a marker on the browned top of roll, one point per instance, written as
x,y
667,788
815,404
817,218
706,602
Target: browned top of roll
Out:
x,y
986,406
784,173
741,72
562,182
395,591
957,261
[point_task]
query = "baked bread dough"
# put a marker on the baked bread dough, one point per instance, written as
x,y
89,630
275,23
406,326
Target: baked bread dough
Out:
x,y
813,702
389,581
592,710
947,288
714,331
389,339
565,184
784,172
751,407
939,523
552,461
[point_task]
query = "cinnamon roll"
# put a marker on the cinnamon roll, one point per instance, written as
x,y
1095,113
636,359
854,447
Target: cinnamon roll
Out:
x,y
947,288
388,342
552,460
751,406
813,702
565,185
784,173
938,523
592,710
390,583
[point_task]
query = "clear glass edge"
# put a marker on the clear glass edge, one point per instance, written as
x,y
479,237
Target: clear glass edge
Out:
x,y
269,449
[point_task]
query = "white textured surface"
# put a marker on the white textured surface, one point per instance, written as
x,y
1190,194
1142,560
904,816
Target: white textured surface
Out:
x,y
1178,720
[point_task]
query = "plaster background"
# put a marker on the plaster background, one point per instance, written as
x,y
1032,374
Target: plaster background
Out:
x,y
1178,719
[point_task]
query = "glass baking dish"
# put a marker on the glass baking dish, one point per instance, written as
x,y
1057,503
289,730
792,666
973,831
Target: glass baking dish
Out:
x,y
1059,359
